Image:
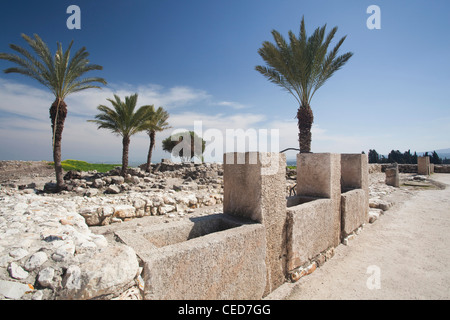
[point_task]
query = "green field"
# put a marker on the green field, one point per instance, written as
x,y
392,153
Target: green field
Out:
x,y
86,166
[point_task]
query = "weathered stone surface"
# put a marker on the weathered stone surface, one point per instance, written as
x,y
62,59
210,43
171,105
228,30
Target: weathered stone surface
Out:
x,y
14,290
113,189
18,253
91,215
353,211
355,192
313,223
310,230
107,274
17,272
45,277
392,176
423,165
380,204
117,180
219,265
374,214
36,260
124,211
254,186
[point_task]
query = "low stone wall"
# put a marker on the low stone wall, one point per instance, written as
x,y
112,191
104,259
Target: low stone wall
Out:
x,y
197,259
353,207
312,227
408,168
402,168
112,209
442,168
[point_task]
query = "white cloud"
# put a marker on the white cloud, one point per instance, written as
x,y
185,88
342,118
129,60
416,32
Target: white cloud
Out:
x,y
234,105
26,131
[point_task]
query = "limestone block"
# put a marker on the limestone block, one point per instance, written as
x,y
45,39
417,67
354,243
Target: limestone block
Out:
x,y
319,175
36,260
220,265
254,186
14,290
353,211
312,227
107,274
124,211
392,176
423,165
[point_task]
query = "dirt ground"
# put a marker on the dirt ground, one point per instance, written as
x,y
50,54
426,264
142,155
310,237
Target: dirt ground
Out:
x,y
403,255
25,172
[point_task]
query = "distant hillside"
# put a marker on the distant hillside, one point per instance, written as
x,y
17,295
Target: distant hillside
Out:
x,y
442,153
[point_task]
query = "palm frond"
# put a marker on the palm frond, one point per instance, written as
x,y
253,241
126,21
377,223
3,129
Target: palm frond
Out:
x,y
121,119
304,64
59,72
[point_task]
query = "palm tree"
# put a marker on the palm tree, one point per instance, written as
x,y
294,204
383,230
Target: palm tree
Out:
x,y
157,123
58,73
301,67
123,121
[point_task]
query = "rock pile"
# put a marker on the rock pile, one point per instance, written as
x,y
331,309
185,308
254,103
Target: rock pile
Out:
x,y
47,251
172,189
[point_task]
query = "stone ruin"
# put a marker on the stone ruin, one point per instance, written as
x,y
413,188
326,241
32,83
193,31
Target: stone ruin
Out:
x,y
262,238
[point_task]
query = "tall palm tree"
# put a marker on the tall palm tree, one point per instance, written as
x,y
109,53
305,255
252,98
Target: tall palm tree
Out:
x,y
301,67
158,122
123,121
59,73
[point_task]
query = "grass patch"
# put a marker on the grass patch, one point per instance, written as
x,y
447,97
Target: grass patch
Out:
x,y
292,167
78,165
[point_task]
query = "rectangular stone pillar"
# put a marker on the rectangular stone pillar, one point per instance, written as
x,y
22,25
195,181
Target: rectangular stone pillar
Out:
x,y
319,175
423,165
313,226
392,176
355,192
355,173
254,188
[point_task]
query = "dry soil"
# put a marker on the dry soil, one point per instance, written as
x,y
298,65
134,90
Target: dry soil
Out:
x,y
403,255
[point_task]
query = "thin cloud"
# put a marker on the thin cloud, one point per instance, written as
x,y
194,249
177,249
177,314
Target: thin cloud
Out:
x,y
25,124
231,104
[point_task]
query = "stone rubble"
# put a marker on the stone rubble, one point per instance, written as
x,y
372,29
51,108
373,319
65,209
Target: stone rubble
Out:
x,y
47,248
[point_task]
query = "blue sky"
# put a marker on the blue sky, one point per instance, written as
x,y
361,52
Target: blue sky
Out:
x,y
196,59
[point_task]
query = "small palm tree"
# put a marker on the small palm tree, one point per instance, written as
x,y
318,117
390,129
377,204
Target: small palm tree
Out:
x,y
61,75
123,121
157,123
302,67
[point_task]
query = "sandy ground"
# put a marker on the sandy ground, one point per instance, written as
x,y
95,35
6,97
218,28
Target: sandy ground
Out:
x,y
403,255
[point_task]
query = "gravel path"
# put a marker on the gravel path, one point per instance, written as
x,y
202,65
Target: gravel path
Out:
x,y
403,255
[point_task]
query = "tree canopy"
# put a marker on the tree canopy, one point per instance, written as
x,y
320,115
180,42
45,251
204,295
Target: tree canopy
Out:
x,y
185,145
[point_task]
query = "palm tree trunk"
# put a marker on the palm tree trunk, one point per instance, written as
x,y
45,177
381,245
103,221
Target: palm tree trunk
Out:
x,y
58,113
152,135
126,146
305,120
